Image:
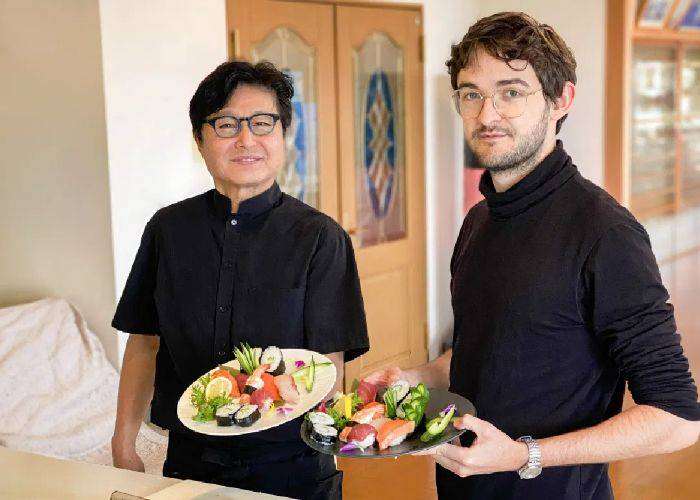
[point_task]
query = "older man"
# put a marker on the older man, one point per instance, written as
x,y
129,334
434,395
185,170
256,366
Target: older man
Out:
x,y
241,262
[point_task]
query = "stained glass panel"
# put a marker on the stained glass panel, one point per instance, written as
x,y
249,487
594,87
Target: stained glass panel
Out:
x,y
379,141
288,51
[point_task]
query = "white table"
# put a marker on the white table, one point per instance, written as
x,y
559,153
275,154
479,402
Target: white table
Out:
x,y
27,475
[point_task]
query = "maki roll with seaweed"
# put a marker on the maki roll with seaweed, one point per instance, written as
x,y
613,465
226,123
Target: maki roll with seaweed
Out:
x,y
247,416
272,356
401,388
324,434
225,414
320,418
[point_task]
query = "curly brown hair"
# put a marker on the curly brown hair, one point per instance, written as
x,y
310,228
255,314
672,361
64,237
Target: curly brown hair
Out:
x,y
513,36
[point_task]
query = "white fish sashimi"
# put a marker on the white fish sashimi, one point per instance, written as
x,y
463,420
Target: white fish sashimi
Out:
x,y
287,388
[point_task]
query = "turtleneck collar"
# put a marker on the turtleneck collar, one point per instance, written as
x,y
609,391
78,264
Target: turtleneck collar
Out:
x,y
546,177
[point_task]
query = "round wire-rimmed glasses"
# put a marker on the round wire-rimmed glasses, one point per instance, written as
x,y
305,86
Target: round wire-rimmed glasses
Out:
x,y
508,102
230,126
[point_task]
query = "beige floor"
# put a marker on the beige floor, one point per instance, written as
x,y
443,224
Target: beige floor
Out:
x,y
675,476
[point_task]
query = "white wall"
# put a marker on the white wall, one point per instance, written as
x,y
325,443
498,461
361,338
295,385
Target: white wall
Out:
x,y
582,26
54,193
155,54
445,22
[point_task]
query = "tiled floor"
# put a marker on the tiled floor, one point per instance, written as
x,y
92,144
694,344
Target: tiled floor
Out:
x,y
675,476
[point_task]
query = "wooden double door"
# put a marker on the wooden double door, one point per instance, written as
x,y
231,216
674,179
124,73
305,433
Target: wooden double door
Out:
x,y
355,147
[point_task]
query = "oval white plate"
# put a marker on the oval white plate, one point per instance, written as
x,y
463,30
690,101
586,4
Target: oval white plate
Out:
x,y
324,381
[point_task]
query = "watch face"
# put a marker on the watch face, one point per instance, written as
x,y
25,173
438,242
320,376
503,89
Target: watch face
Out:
x,y
530,472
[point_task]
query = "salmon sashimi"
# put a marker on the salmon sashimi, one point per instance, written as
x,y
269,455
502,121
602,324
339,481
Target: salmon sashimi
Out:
x,y
394,432
270,386
287,388
368,413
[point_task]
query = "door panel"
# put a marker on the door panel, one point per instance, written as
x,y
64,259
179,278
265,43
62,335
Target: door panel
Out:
x,y
298,38
380,115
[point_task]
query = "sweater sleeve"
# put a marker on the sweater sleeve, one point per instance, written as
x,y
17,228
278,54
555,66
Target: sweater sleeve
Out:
x,y
627,307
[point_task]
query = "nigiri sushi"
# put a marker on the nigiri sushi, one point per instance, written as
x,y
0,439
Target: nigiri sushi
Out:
x,y
394,432
362,435
368,413
343,436
287,388
379,421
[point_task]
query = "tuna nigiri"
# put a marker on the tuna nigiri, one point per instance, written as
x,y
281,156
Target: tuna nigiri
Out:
x,y
287,388
362,435
368,413
394,432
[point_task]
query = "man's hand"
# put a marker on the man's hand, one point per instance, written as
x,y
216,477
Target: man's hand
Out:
x,y
492,451
126,458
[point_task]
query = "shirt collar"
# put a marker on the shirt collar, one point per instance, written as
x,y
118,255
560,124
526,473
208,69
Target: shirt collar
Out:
x,y
546,177
253,207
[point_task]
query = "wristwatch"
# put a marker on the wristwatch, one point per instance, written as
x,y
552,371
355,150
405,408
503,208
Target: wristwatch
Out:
x,y
533,467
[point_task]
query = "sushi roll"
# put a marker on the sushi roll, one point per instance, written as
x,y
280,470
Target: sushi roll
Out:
x,y
324,434
247,416
225,414
272,356
400,410
253,384
401,388
320,418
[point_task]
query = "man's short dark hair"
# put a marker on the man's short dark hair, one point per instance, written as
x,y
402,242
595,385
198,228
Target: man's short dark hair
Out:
x,y
216,89
512,36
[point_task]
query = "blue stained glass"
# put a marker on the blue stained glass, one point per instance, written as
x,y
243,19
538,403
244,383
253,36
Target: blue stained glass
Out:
x,y
380,151
300,145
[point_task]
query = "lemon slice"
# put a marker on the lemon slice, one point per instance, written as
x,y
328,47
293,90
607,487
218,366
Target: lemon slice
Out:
x,y
219,386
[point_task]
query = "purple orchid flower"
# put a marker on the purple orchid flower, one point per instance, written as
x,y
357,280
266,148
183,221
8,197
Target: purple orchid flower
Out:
x,y
349,447
299,364
447,410
284,410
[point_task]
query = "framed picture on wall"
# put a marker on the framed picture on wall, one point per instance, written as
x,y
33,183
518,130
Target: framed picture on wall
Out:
x,y
691,17
654,13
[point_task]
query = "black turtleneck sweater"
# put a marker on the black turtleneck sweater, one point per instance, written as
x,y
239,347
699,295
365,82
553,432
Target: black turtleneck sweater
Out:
x,y
557,304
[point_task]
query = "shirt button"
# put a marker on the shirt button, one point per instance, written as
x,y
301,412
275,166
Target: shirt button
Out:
x,y
223,308
234,222
222,353
228,264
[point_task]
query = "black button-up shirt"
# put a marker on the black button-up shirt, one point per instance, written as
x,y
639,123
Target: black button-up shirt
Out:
x,y
277,272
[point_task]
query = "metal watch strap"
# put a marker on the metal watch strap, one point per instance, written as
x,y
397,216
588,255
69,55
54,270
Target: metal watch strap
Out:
x,y
533,467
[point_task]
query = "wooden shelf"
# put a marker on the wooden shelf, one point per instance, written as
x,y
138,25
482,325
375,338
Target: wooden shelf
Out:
x,y
665,37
